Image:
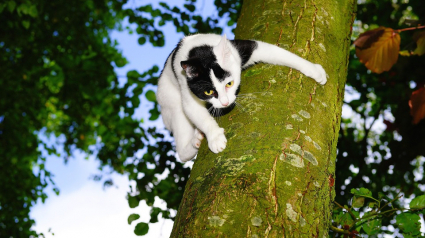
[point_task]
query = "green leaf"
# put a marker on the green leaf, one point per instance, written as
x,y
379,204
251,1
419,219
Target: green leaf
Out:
x,y
141,229
154,214
141,40
372,226
190,7
133,202
132,76
409,223
154,114
2,6
132,218
418,202
373,205
11,6
32,11
361,192
346,219
175,10
357,202
120,62
150,95
26,24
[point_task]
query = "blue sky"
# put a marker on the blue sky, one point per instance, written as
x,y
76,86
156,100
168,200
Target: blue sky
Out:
x,y
84,208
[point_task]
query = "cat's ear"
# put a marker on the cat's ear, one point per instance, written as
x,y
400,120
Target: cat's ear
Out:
x,y
192,68
222,51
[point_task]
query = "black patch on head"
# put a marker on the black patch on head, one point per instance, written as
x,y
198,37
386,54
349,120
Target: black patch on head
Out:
x,y
198,79
193,68
201,60
245,49
206,55
219,73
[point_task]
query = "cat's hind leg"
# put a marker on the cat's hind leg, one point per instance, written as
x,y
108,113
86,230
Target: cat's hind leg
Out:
x,y
187,137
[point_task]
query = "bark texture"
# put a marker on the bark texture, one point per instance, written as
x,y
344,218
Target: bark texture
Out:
x,y
276,176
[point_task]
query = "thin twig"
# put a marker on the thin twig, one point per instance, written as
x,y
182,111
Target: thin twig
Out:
x,y
410,28
348,210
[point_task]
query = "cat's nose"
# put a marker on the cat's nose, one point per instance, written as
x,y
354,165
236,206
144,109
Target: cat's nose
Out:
x,y
224,101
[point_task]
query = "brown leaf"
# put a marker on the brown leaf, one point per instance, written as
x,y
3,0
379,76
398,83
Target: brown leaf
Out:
x,y
367,38
378,49
417,105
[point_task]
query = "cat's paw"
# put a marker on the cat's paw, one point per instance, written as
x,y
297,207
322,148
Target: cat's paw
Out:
x,y
217,141
197,138
317,73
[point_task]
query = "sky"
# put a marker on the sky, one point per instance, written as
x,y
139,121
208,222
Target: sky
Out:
x,y
84,209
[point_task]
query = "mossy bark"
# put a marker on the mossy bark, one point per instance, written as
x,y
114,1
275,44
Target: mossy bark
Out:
x,y
275,178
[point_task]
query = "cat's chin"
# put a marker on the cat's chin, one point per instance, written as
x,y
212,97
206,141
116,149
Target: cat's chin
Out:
x,y
219,111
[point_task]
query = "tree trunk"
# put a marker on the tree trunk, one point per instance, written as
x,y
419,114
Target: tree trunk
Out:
x,y
276,176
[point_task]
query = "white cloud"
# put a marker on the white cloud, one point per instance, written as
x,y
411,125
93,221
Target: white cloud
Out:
x,y
90,211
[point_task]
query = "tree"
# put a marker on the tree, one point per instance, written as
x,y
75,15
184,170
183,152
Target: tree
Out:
x,y
276,176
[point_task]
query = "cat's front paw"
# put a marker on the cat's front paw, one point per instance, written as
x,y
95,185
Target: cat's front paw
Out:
x,y
317,73
217,141
197,138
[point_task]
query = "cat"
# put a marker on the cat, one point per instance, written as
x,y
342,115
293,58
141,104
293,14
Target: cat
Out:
x,y
206,69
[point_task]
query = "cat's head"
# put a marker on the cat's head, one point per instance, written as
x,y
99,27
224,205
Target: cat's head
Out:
x,y
213,73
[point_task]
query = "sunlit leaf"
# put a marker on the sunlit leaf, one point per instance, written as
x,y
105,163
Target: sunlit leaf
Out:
x,y
357,202
420,43
418,202
132,218
417,105
373,226
409,223
141,229
361,192
154,214
133,202
405,53
378,49
150,95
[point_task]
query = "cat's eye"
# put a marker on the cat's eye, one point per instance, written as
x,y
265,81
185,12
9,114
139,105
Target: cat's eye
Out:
x,y
230,84
209,93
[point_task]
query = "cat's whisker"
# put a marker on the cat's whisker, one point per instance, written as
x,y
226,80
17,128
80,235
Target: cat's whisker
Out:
x,y
239,106
248,94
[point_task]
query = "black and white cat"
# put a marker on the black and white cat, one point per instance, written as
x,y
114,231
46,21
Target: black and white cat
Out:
x,y
206,69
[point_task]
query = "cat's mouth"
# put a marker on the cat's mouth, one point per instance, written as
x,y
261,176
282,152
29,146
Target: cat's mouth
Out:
x,y
218,112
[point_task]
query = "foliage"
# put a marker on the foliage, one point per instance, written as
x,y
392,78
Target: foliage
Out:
x,y
379,146
48,51
368,219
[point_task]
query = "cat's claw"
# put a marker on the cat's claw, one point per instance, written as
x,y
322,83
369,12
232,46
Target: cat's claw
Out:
x,y
317,73
217,141
197,138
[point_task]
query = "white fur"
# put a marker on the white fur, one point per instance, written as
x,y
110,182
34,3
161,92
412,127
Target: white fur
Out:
x,y
186,116
272,54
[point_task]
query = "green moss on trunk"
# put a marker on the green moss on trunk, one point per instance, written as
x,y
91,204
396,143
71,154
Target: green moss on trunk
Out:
x,y
275,178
